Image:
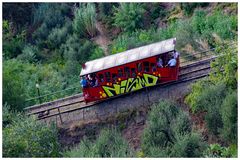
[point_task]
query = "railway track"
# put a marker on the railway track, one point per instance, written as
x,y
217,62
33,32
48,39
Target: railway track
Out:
x,y
64,106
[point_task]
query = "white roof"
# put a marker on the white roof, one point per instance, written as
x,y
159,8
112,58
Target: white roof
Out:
x,y
128,56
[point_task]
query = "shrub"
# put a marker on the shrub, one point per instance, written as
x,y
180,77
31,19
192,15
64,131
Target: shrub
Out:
x,y
169,133
59,35
29,54
108,144
198,21
158,132
181,125
188,8
157,10
186,35
211,98
129,16
224,69
98,53
193,99
131,40
12,44
217,151
13,88
20,80
222,24
77,49
85,19
106,12
208,98
49,16
229,117
188,145
27,137
9,116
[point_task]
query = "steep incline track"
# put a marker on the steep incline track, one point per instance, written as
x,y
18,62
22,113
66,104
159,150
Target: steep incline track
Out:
x,y
60,107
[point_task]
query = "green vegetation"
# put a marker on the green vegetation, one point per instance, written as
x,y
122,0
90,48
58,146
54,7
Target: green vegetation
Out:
x,y
25,137
217,151
85,20
129,16
108,144
188,8
169,133
46,44
218,98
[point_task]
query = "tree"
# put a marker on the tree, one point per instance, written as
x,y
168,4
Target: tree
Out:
x,y
18,13
169,133
13,88
12,42
229,117
129,16
224,69
27,137
48,16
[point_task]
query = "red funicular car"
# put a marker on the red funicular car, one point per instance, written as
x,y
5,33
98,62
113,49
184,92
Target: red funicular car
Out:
x,y
129,71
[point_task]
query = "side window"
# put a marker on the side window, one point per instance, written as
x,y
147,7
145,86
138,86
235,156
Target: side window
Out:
x,y
114,77
127,71
133,70
153,67
101,78
139,67
108,76
146,66
120,72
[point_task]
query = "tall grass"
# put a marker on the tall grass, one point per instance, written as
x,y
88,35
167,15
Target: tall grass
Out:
x,y
85,19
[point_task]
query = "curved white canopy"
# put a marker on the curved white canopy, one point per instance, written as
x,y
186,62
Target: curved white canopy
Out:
x,y
128,56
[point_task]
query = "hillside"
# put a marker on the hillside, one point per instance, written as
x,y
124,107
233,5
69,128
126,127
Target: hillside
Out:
x,y
45,45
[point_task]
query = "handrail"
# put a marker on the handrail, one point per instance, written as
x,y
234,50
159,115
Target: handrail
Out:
x,y
51,93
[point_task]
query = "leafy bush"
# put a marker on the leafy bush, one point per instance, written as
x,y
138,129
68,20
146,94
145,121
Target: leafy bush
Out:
x,y
106,12
229,117
217,151
9,116
129,16
13,88
158,131
131,40
216,98
108,144
12,44
188,145
48,16
29,54
98,53
76,52
85,19
157,10
27,137
208,99
222,24
188,8
20,78
59,35
224,69
77,49
169,133
193,99
186,35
